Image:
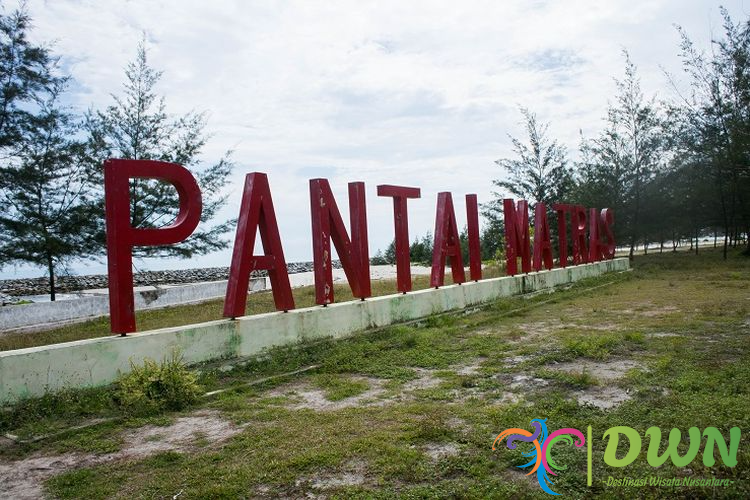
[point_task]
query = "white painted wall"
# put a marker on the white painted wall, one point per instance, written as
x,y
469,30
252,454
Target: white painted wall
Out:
x,y
95,362
95,303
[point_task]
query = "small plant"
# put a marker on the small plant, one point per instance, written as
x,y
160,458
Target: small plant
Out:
x,y
410,341
596,347
635,337
576,380
337,387
441,320
427,428
156,387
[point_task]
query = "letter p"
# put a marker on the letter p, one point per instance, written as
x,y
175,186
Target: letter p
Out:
x,y
122,237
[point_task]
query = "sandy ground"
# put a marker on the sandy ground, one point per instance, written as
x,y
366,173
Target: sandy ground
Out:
x,y
22,479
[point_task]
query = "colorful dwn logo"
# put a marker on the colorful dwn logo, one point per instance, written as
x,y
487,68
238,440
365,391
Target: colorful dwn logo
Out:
x,y
543,465
541,462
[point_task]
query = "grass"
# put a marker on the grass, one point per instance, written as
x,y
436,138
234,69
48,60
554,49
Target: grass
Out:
x,y
575,380
683,319
337,387
257,303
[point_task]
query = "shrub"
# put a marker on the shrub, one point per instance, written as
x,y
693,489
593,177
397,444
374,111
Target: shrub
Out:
x,y
156,387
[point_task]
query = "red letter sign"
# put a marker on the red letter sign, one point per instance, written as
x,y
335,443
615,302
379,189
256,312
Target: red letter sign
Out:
x,y
562,233
447,243
327,225
542,242
608,220
578,230
257,213
517,242
595,251
122,237
401,225
472,224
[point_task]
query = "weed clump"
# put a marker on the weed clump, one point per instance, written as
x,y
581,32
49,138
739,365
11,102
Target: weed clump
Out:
x,y
338,388
595,347
157,387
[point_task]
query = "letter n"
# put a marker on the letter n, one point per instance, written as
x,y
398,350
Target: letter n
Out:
x,y
257,214
715,439
447,243
517,241
327,225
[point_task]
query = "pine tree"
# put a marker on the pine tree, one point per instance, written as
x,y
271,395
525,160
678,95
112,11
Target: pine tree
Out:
x,y
617,167
717,114
637,122
137,126
601,176
539,172
51,209
26,74
48,207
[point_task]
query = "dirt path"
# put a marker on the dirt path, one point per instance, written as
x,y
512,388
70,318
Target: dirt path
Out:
x,y
23,479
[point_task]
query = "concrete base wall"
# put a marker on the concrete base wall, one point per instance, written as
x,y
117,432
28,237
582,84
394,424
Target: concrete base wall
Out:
x,y
95,362
95,303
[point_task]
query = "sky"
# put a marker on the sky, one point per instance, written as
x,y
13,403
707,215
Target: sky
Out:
x,y
412,93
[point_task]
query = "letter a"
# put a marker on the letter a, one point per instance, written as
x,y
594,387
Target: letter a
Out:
x,y
542,242
257,214
447,243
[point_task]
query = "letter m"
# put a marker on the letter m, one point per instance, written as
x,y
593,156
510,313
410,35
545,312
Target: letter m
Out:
x,y
517,240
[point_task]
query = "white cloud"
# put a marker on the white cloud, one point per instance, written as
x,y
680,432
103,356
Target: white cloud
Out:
x,y
414,93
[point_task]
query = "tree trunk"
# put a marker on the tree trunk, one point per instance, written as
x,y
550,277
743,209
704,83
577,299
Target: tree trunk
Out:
x,y
51,270
632,250
696,241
